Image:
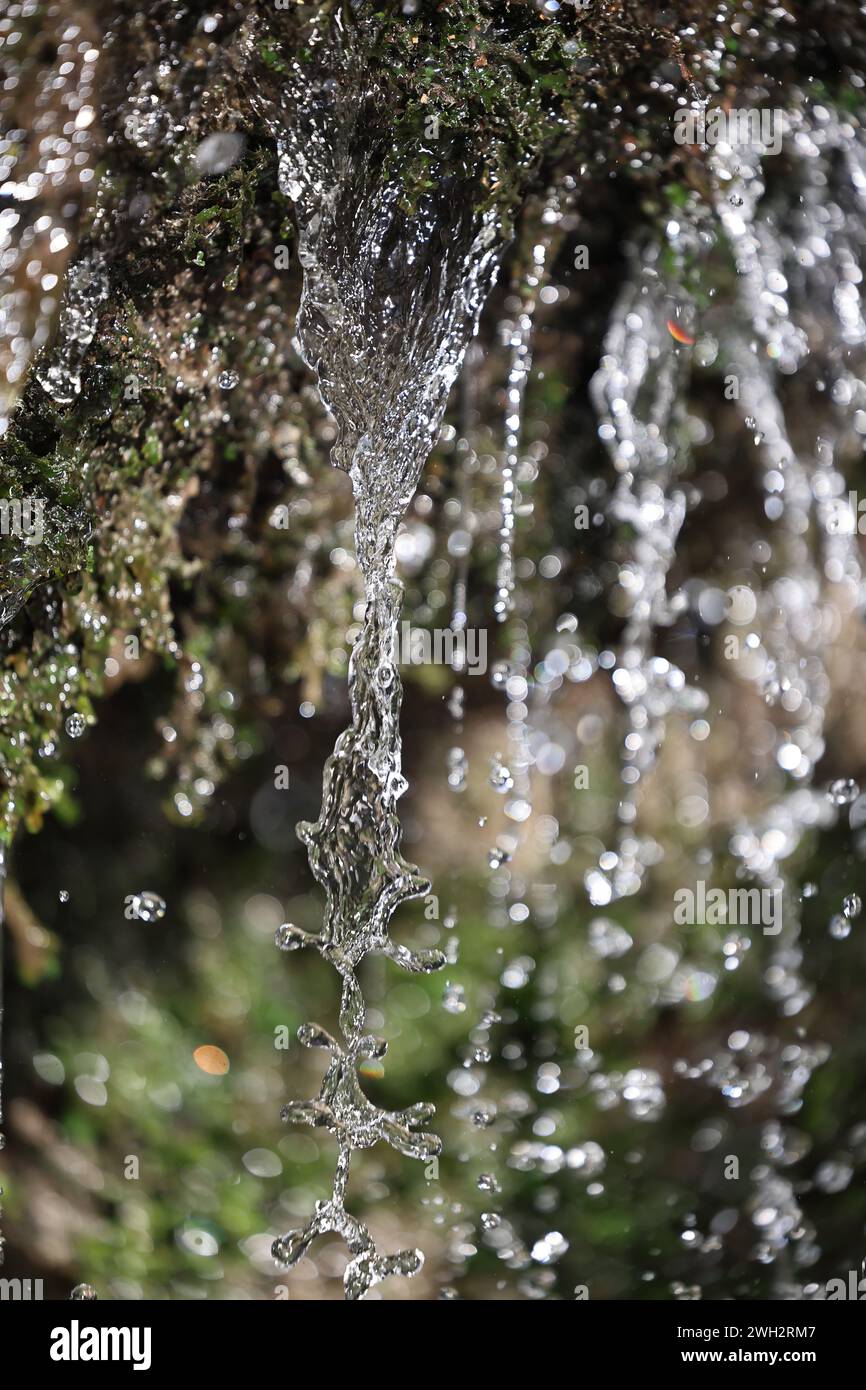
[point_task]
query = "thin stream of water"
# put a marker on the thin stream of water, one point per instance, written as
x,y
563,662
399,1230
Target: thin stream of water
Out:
x,y
637,393
389,303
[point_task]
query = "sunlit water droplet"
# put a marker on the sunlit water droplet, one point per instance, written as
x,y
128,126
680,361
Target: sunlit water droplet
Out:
x,y
839,926
843,791
148,907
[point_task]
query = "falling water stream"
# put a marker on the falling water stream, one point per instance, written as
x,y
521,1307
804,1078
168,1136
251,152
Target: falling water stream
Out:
x,y
390,301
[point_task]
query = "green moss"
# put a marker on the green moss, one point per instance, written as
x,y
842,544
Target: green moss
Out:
x,y
271,57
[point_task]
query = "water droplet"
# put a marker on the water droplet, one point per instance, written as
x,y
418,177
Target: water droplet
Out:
x,y
484,1116
228,380
288,937
488,1182
83,1293
839,927
834,1175
197,1241
75,726
217,153
843,791
262,1163
550,1248
458,767
454,999
148,907
500,779
456,703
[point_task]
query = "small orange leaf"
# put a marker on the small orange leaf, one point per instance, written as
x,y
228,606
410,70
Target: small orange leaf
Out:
x,y
211,1059
678,333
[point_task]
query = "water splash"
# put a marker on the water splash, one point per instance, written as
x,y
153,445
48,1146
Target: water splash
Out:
x,y
86,290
